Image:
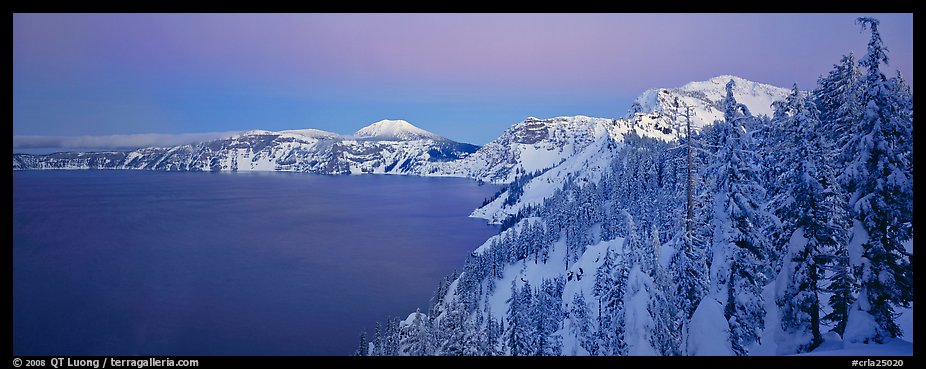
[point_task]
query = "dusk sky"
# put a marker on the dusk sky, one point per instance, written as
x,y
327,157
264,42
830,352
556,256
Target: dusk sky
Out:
x,y
465,77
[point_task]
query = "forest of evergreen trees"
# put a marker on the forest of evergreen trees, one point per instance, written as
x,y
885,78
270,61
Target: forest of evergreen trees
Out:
x,y
815,201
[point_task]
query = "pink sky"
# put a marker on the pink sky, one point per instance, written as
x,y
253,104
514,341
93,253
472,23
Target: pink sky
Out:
x,y
491,69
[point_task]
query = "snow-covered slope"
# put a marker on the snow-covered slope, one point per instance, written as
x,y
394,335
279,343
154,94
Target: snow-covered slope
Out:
x,y
562,242
529,146
583,145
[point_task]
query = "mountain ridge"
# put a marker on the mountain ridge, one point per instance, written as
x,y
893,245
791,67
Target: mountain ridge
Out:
x,y
394,146
301,150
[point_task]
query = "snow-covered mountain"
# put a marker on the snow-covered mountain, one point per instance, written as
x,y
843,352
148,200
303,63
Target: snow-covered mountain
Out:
x,y
396,130
537,144
394,147
657,107
398,147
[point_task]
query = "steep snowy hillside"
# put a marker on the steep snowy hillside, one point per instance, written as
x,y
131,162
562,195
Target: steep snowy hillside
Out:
x,y
602,253
529,146
577,144
584,149
392,148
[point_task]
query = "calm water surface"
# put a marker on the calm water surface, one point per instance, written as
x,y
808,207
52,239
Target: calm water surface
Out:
x,y
138,263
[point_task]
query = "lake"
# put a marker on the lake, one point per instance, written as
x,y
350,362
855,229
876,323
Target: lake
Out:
x,y
159,263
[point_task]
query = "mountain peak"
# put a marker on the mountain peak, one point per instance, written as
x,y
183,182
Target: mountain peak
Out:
x,y
395,130
720,82
705,97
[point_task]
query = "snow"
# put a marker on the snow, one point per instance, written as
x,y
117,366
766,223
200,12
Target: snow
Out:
x,y
411,318
535,158
708,332
656,106
893,347
774,341
859,238
666,253
639,323
861,325
795,244
584,142
312,133
535,273
397,130
797,241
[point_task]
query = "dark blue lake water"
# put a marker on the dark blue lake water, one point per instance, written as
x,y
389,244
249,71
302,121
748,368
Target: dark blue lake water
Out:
x,y
138,263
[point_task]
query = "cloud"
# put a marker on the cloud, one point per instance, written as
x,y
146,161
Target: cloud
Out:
x,y
114,142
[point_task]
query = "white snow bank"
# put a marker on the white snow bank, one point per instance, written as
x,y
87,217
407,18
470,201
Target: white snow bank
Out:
x,y
708,332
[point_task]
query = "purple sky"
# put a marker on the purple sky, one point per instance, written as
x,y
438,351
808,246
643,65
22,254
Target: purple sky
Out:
x,y
466,77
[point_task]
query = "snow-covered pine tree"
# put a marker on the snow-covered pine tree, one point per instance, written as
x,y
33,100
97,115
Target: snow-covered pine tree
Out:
x,y
520,334
837,98
547,315
417,337
880,180
807,219
604,283
842,287
474,337
633,249
580,317
740,258
615,305
363,349
639,286
833,233
610,288
378,341
664,338
391,337
688,266
689,275
494,332
452,325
